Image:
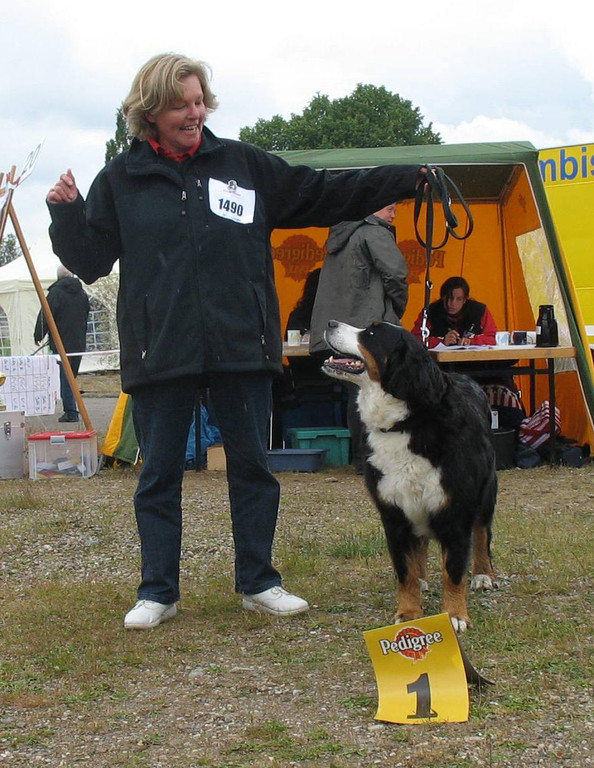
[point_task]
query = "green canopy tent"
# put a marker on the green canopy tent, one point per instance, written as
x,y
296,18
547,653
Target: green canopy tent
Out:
x,y
513,260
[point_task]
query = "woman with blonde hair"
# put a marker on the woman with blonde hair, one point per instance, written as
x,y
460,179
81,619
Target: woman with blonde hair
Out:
x,y
189,215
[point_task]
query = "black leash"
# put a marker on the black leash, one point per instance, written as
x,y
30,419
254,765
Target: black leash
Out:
x,y
436,184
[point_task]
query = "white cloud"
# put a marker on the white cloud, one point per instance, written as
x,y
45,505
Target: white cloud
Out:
x,y
487,129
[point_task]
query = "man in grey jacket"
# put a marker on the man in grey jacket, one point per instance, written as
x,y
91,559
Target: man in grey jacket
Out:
x,y
363,280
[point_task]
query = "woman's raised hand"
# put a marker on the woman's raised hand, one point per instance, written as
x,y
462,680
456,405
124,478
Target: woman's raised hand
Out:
x,y
65,191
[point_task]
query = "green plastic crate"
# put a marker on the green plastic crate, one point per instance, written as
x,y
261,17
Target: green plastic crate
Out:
x,y
335,440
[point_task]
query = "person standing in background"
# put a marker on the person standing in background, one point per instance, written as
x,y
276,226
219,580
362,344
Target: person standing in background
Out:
x,y
363,280
69,304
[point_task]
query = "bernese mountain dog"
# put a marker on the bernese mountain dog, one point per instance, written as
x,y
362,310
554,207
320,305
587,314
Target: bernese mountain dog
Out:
x,y
430,466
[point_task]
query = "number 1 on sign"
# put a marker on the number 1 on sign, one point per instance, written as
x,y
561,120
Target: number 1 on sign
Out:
x,y
423,690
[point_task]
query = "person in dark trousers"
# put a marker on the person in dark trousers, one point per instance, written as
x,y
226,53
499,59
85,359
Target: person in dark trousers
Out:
x,y
189,217
363,279
69,304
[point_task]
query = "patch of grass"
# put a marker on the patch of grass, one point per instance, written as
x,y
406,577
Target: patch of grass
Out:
x,y
22,495
152,739
359,701
359,545
96,692
522,700
273,740
16,678
53,639
32,739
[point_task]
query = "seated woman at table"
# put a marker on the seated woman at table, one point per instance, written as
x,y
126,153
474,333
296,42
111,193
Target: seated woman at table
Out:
x,y
456,319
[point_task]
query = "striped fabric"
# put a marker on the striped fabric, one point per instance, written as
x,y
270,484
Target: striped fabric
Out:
x,y
535,430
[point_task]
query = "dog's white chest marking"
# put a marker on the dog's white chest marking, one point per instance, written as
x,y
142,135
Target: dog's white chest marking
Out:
x,y
408,480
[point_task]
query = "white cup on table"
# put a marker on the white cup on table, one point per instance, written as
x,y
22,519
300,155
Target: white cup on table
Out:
x,y
293,338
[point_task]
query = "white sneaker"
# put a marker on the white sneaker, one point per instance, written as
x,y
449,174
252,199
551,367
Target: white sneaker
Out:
x,y
276,601
147,614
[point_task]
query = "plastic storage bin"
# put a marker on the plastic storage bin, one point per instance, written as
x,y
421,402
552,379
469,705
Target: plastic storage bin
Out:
x,y
335,440
296,459
62,454
12,444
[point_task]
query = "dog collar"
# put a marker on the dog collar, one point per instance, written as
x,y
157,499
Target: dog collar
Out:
x,y
400,426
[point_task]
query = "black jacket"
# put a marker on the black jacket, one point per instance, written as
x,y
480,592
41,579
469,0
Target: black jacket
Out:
x,y
197,289
470,320
70,309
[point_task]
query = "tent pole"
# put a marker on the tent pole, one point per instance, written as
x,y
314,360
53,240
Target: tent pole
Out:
x,y
4,214
48,314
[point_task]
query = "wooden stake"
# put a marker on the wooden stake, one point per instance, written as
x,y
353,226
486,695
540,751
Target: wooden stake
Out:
x,y
9,210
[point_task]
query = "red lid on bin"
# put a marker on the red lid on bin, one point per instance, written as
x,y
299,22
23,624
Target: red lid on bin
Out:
x,y
68,435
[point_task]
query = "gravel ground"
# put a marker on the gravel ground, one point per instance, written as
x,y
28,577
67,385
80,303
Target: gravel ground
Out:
x,y
223,688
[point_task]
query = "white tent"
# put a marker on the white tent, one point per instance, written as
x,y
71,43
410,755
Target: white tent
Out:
x,y
19,300
21,305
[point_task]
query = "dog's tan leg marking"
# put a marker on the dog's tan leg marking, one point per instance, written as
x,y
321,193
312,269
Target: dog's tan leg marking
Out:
x,y
483,576
454,600
409,592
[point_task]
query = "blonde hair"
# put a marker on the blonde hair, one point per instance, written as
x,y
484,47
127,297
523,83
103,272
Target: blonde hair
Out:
x,y
158,85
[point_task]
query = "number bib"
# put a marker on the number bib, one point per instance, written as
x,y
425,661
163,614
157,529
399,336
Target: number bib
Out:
x,y
230,201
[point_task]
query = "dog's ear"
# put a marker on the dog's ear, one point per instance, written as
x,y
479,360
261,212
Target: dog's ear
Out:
x,y
412,375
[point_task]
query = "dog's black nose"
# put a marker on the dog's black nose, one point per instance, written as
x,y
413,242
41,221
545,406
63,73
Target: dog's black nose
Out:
x,y
332,324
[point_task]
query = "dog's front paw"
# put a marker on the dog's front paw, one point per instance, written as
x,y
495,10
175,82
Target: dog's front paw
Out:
x,y
482,581
402,616
460,625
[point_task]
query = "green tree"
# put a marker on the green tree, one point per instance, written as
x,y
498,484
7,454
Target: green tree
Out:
x,y
9,250
121,140
370,116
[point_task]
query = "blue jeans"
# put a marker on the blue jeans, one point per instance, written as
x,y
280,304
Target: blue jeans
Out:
x,y
162,415
66,394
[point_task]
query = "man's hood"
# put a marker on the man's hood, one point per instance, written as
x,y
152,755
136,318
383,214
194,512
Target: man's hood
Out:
x,y
340,235
67,284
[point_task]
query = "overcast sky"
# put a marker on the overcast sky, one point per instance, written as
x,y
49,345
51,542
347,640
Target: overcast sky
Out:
x,y
478,71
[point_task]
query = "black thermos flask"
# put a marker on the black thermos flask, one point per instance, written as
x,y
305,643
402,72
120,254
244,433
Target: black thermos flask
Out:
x,y
547,332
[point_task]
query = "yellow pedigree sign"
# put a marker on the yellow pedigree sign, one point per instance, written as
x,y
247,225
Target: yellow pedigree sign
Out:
x,y
419,672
